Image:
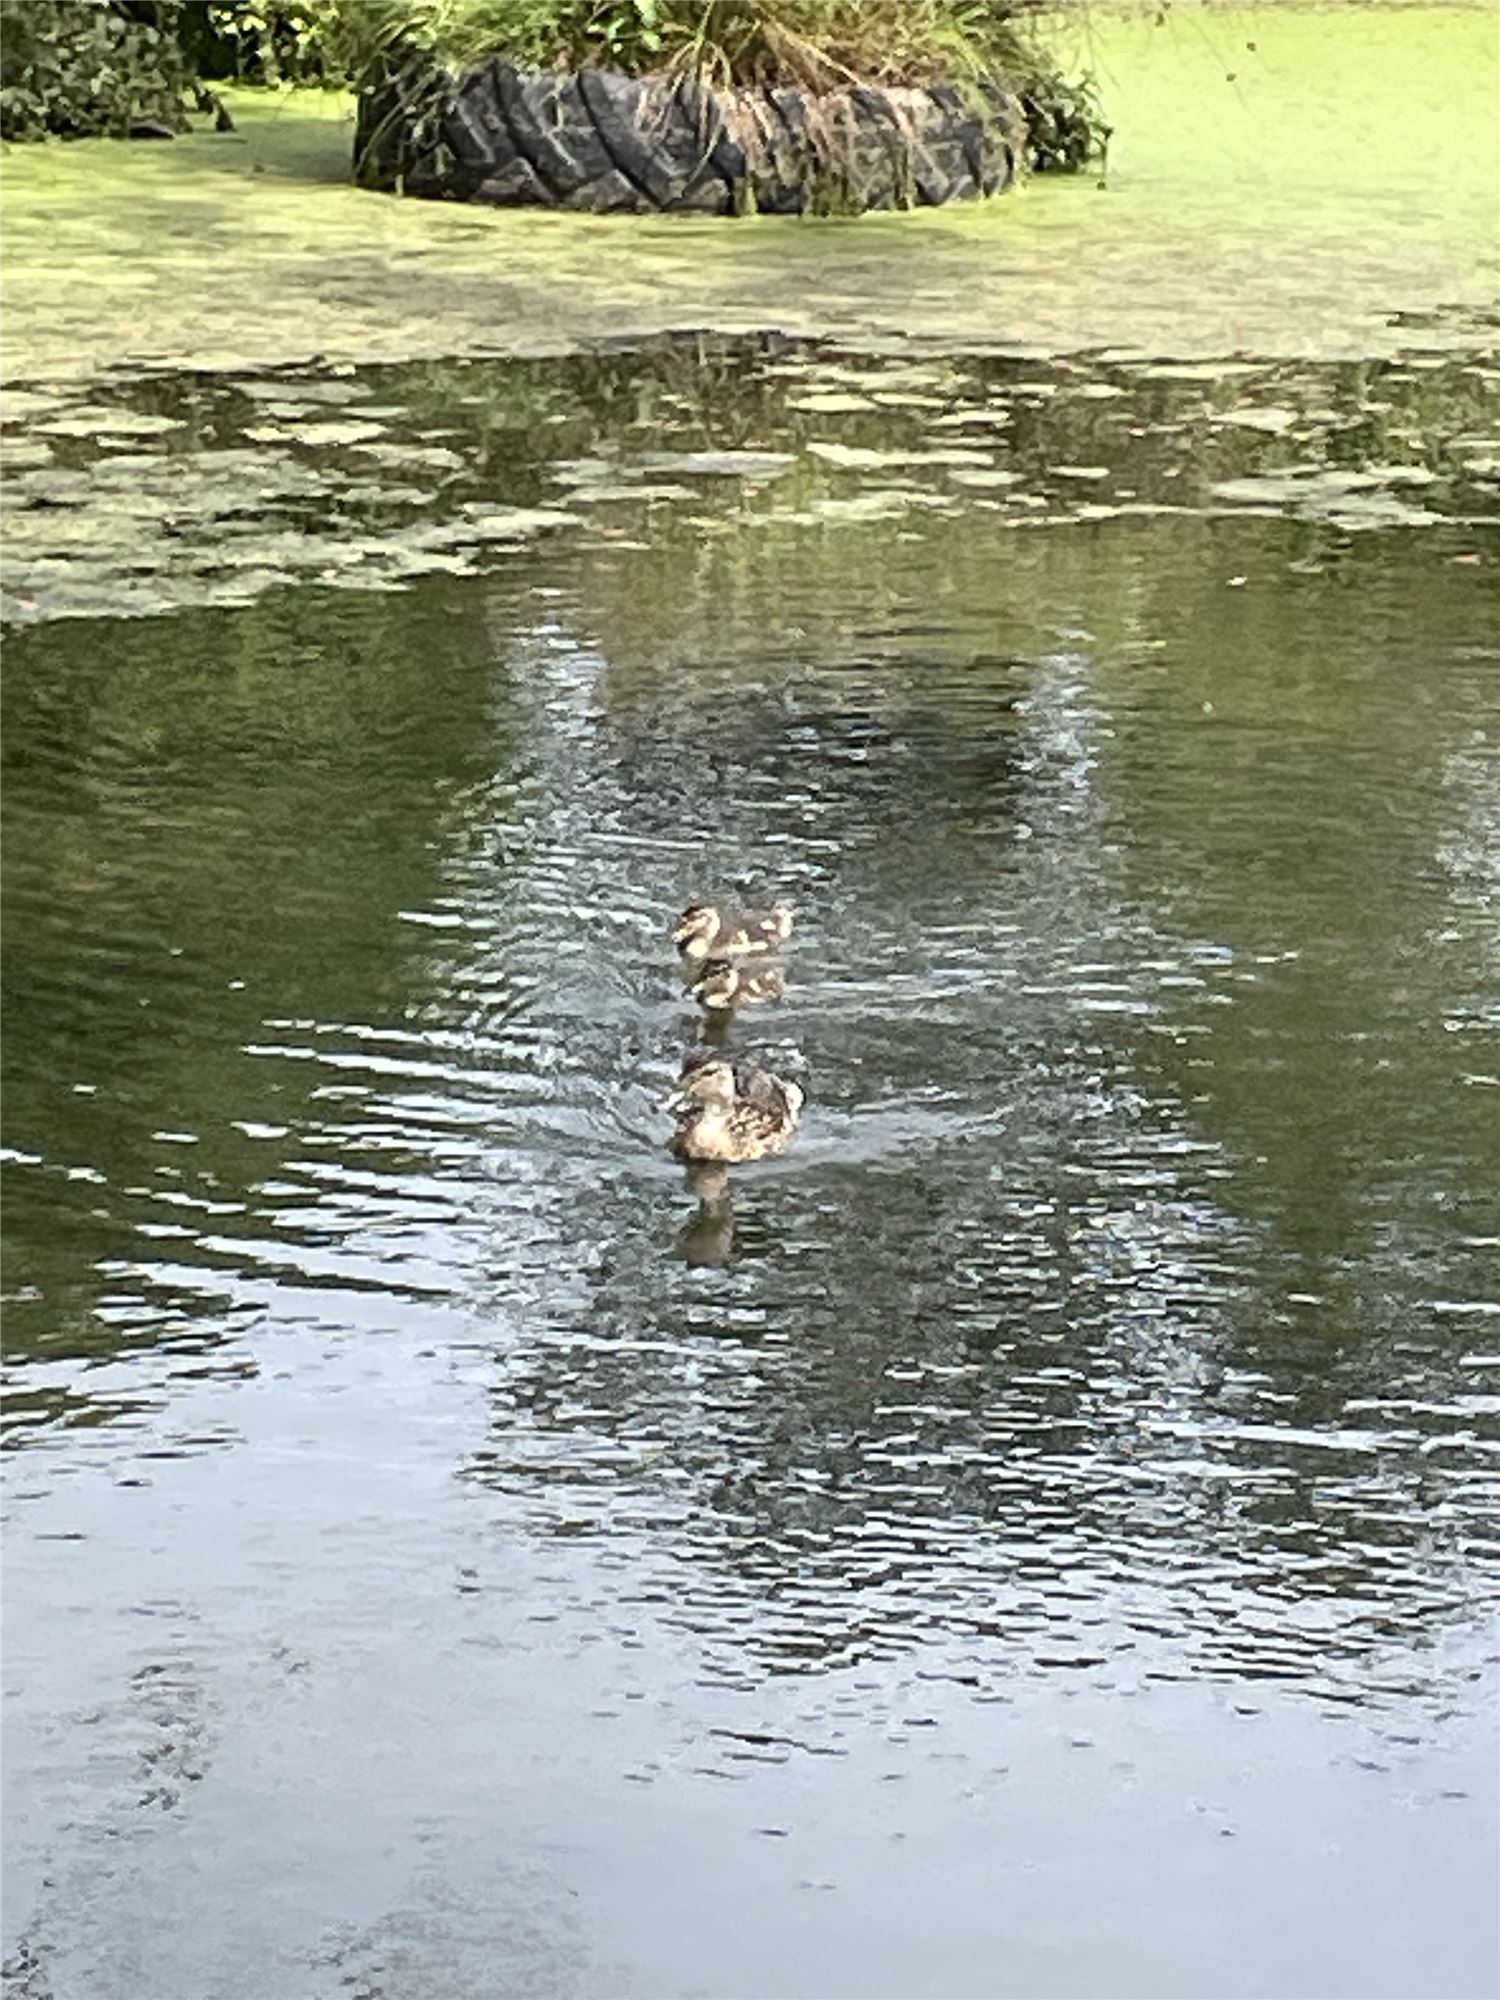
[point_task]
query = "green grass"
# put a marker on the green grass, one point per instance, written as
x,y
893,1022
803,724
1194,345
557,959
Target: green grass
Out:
x,y
818,44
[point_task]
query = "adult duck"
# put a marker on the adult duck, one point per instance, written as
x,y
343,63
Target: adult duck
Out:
x,y
732,1111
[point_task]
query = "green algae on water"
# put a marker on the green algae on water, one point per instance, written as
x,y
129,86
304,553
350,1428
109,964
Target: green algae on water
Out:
x,y
1276,201
214,505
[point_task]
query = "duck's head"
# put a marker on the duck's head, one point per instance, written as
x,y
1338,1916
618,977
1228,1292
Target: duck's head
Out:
x,y
695,930
707,1082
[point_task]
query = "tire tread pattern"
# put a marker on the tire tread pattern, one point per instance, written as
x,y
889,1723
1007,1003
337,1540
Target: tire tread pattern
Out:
x,y
596,140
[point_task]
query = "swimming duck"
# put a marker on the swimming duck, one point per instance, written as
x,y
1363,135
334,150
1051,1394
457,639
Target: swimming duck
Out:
x,y
732,1111
703,929
722,985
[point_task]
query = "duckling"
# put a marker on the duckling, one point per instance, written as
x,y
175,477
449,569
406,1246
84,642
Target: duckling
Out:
x,y
703,929
722,985
732,1111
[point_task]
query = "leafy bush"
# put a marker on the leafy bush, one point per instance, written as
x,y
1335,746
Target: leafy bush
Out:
x,y
79,69
301,42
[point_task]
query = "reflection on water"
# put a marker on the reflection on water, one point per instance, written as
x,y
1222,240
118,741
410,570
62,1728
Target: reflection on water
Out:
x,y
1124,1312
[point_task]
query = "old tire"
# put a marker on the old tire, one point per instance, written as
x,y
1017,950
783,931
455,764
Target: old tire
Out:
x,y
596,140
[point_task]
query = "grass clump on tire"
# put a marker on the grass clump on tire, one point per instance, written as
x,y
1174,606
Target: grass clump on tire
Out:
x,y
825,105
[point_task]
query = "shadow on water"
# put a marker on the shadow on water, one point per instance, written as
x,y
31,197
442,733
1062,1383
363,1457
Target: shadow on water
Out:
x,y
1125,736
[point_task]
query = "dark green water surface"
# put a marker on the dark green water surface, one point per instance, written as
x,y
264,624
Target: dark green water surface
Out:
x,y
1038,1538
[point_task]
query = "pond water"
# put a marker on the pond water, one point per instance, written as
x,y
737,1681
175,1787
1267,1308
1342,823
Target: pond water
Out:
x,y
1040,1536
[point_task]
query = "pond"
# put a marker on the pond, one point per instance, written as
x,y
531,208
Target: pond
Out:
x,y
1036,1538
